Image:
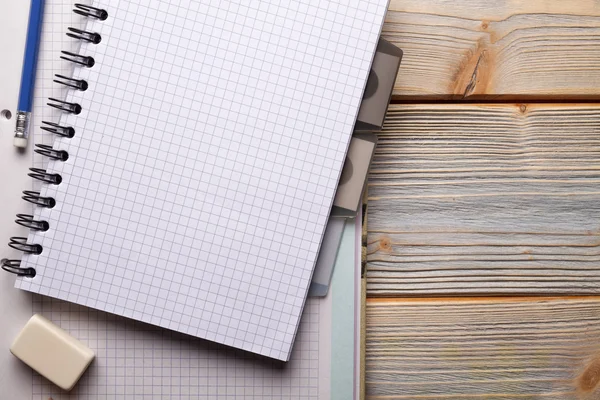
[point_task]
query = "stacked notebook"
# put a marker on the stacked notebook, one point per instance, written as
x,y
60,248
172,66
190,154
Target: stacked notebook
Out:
x,y
351,186
196,161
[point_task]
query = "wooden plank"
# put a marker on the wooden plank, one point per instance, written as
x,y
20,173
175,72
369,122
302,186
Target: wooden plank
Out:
x,y
510,49
485,199
481,349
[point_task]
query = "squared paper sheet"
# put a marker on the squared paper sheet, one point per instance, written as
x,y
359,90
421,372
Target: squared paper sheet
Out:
x,y
125,348
206,157
139,361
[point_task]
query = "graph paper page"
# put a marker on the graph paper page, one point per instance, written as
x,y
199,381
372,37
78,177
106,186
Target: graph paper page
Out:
x,y
182,367
204,164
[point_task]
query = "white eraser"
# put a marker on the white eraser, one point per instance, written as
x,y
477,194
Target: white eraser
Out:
x,y
20,142
52,352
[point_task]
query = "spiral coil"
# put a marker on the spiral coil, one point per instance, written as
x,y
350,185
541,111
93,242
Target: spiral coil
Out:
x,y
65,131
86,61
71,82
20,243
35,198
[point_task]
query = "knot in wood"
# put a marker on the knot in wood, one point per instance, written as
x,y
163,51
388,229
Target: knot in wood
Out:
x,y
385,244
590,377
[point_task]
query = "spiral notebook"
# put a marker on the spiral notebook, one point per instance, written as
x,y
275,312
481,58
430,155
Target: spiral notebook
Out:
x,y
196,161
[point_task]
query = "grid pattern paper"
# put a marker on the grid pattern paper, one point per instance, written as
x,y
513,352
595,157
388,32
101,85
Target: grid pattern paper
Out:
x,y
207,155
142,362
182,367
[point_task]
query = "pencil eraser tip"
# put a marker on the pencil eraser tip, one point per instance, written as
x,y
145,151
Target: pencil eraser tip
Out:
x,y
20,142
52,352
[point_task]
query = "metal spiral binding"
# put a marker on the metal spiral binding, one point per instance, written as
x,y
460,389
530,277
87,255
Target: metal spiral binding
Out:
x,y
65,106
64,131
14,267
27,221
89,11
20,243
43,176
71,82
86,61
91,37
35,198
49,152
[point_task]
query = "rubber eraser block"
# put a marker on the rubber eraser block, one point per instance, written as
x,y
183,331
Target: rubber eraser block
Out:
x,y
20,142
52,352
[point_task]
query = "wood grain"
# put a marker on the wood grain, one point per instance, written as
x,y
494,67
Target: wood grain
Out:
x,y
509,49
482,349
485,199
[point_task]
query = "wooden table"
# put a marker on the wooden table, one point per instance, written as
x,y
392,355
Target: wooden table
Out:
x,y
484,204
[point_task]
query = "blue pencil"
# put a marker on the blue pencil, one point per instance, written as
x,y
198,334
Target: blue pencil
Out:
x,y
32,45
